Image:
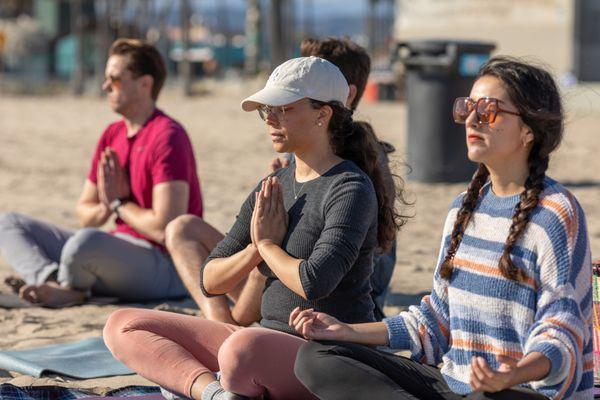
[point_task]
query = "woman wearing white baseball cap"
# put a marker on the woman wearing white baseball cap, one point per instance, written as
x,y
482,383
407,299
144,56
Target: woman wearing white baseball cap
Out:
x,y
310,228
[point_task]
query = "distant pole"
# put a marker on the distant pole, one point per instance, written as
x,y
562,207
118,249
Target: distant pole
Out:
x,y
185,66
371,27
77,79
102,34
223,21
308,15
120,11
277,36
289,24
253,37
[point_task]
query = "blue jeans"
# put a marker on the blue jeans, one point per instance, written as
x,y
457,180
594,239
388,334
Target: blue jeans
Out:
x,y
380,280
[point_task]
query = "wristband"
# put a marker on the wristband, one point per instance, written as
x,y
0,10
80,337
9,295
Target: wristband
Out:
x,y
115,204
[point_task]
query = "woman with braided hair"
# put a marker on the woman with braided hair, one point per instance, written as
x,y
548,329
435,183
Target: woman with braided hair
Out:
x,y
509,316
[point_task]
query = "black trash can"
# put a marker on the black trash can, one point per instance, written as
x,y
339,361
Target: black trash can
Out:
x,y
437,72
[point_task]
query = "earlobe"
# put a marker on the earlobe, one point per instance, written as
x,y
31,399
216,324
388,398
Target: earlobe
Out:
x,y
324,115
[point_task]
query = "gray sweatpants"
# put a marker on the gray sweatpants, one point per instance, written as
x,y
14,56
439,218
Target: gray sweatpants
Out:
x,y
88,259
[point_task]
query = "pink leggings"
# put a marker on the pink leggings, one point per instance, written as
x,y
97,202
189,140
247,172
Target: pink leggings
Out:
x,y
173,350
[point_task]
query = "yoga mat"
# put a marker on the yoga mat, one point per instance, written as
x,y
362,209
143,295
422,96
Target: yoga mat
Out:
x,y
88,358
11,392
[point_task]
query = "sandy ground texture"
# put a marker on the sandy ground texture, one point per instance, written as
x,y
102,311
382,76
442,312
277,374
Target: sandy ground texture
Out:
x,y
46,144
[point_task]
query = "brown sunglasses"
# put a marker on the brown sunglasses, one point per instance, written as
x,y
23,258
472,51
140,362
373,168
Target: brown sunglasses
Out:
x,y
486,108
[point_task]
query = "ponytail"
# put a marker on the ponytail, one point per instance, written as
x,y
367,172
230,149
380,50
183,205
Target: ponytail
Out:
x,y
356,141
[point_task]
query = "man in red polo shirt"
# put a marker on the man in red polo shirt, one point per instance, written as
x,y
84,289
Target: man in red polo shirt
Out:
x,y
143,172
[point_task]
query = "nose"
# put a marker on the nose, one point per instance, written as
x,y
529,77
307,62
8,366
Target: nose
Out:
x,y
272,120
472,119
106,86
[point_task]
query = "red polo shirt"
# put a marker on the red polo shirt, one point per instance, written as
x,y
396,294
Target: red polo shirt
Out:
x,y
160,152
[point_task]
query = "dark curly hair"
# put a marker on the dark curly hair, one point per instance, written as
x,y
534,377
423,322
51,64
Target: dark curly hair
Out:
x,y
534,93
356,141
352,60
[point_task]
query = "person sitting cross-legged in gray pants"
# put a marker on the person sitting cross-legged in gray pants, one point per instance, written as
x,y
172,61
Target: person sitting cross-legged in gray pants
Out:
x,y
144,172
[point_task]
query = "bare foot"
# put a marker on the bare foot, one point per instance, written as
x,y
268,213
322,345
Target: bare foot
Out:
x,y
15,283
51,295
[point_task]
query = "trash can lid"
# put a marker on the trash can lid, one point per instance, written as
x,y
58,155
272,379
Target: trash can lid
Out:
x,y
439,46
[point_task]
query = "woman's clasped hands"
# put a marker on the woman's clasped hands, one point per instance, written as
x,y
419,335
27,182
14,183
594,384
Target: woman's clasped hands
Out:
x,y
269,219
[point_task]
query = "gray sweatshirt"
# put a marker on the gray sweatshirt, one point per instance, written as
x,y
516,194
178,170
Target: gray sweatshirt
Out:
x,y
333,230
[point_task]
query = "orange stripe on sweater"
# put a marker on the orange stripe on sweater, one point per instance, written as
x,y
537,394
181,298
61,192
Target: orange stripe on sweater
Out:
x,y
562,212
575,220
569,377
470,345
578,340
487,270
443,329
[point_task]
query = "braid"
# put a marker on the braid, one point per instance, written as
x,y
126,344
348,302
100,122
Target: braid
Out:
x,y
529,200
463,217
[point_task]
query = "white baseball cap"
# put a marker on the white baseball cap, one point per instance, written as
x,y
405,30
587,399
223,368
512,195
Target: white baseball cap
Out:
x,y
301,77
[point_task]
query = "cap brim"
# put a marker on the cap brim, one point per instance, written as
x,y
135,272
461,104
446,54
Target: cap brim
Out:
x,y
270,96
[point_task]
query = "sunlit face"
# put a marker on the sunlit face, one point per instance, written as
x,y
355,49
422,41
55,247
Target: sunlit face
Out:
x,y
504,140
122,88
293,129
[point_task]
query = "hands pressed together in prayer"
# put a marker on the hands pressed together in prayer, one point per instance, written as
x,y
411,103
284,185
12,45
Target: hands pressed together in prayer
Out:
x,y
269,219
113,181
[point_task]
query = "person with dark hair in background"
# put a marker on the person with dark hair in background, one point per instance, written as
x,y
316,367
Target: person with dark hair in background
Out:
x,y
143,172
510,313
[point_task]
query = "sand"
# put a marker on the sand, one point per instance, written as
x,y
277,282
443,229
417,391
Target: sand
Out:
x,y
46,144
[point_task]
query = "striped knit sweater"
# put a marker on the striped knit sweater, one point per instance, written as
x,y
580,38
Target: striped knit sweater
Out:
x,y
481,313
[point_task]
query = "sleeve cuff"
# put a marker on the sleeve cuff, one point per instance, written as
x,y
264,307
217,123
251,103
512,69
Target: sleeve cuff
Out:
x,y
397,333
309,289
553,354
202,288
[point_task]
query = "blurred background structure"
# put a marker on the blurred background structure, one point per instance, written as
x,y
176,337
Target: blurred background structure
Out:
x,y
47,43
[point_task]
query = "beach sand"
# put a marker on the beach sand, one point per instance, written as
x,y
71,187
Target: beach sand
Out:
x,y
46,144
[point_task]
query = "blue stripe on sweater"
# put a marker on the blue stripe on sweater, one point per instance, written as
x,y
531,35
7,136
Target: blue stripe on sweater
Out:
x,y
490,319
563,305
493,247
463,357
492,331
498,288
458,386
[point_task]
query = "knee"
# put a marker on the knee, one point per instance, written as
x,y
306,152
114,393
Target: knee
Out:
x,y
239,355
240,348
9,219
116,328
80,246
179,229
311,367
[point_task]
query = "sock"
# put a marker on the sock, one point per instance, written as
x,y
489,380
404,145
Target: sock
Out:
x,y
214,391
